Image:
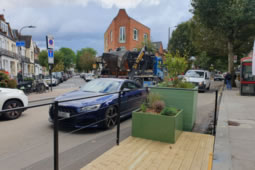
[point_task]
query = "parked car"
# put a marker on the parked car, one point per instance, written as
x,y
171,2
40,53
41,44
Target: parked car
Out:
x,y
80,113
12,98
218,77
82,75
55,81
88,76
200,78
58,75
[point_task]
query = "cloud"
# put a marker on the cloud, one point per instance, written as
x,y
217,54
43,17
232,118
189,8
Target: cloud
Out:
x,y
48,3
81,23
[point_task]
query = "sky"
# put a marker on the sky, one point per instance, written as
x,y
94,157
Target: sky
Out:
x,y
78,24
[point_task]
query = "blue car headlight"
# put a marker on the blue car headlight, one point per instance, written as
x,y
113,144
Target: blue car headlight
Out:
x,y
90,108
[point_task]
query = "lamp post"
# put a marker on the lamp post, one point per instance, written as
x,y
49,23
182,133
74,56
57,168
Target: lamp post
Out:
x,y
22,63
169,33
192,59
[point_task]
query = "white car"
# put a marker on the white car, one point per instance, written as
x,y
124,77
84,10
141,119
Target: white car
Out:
x,y
89,77
48,81
12,98
200,78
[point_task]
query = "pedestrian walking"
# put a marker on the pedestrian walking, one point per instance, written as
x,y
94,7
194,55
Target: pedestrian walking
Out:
x,y
228,81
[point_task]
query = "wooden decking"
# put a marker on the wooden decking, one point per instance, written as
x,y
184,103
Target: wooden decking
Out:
x,y
191,152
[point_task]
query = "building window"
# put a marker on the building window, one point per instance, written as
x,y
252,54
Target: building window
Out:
x,y
145,37
122,36
135,34
111,36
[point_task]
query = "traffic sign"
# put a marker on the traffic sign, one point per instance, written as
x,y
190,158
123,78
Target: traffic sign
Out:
x,y
50,41
20,43
50,56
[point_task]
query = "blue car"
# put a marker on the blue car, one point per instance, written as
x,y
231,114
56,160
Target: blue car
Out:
x,y
80,113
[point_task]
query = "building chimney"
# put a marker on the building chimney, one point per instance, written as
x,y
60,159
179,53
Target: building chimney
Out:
x,y
122,12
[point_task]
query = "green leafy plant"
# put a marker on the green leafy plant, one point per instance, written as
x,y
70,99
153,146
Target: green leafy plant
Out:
x,y
169,111
28,79
143,107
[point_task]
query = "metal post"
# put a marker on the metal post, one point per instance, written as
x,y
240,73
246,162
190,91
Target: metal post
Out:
x,y
215,112
50,67
118,120
56,162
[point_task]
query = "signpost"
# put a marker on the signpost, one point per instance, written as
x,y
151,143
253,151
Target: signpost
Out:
x,y
50,47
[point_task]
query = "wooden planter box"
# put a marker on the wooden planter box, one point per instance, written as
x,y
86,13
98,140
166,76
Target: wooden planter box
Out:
x,y
185,99
157,127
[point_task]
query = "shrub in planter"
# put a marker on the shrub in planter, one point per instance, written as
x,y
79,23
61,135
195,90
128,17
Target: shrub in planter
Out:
x,y
11,83
157,122
3,84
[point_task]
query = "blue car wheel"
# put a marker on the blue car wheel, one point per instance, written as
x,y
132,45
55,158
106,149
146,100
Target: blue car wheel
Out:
x,y
110,117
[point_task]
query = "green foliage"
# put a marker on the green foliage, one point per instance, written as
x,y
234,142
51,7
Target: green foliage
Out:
x,y
43,58
58,67
63,59
28,79
181,40
233,20
85,59
149,46
175,64
3,76
169,111
176,83
68,57
3,83
143,107
152,97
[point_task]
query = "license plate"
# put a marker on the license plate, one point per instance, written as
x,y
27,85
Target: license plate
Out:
x,y
63,114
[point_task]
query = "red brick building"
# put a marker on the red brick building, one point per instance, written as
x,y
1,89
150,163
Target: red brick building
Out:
x,y
125,32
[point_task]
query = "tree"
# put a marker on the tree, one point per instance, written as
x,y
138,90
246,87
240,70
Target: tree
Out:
x,y
86,59
43,58
181,40
68,57
176,64
149,46
227,17
58,57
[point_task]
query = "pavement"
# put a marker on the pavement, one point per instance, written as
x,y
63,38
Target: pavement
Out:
x,y
235,138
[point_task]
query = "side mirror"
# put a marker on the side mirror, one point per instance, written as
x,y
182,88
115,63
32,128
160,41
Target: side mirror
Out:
x,y
125,90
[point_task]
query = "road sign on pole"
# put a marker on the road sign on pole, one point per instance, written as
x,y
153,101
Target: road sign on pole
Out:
x,y
50,41
50,56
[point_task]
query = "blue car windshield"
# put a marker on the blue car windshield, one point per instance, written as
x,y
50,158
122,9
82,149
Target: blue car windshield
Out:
x,y
102,86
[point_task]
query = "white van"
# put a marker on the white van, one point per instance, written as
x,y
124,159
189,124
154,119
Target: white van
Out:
x,y
201,78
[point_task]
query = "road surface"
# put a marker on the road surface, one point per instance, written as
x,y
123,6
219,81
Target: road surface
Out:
x,y
27,142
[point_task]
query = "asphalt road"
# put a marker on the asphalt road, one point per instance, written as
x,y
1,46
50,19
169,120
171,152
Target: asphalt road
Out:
x,y
27,143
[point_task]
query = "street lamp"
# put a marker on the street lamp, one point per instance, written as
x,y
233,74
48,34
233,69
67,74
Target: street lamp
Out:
x,y
22,63
192,59
169,33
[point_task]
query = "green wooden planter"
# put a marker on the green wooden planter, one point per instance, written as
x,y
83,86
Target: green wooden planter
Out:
x,y
157,127
185,99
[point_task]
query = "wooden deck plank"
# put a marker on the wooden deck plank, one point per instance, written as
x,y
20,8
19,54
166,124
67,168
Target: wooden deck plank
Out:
x,y
191,151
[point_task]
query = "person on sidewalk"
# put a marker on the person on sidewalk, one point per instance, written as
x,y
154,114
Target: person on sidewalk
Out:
x,y
228,81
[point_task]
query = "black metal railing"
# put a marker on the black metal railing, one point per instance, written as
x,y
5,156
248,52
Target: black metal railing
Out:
x,y
56,119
